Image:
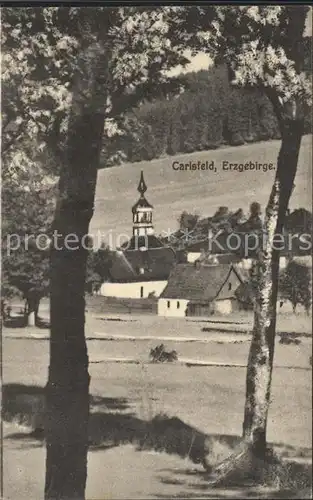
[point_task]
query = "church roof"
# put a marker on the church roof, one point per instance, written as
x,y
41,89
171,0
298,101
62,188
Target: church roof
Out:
x,y
141,203
205,283
142,258
142,188
142,265
121,269
136,242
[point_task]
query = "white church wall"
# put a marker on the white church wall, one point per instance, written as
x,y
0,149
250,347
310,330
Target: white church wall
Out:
x,y
140,289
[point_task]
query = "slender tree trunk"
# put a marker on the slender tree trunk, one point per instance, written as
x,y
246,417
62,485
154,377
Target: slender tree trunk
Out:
x,y
31,310
26,308
67,390
36,311
31,319
260,361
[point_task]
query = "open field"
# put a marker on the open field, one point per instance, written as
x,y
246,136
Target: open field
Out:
x,y
210,398
127,398
171,192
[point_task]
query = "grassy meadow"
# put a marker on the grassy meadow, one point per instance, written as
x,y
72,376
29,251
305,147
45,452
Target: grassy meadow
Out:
x,y
196,405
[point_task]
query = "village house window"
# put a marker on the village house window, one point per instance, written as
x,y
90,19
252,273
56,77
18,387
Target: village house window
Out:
x,y
141,291
178,304
229,286
168,304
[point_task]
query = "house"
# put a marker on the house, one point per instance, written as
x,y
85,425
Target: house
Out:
x,y
141,267
210,245
201,290
225,248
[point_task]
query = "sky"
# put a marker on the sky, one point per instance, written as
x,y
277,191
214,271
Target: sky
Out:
x,y
202,60
308,30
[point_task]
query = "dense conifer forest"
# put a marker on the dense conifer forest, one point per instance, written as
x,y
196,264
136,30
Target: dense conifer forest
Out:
x,y
208,114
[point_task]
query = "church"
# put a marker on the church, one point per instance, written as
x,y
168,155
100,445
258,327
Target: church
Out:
x,y
141,267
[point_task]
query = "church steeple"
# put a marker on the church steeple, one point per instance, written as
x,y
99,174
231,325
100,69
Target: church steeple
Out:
x,y
142,212
142,186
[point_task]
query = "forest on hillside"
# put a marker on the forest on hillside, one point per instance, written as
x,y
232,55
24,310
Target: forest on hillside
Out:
x,y
208,114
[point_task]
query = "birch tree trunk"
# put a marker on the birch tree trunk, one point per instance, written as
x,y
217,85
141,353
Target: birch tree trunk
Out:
x,y
31,309
261,355
67,390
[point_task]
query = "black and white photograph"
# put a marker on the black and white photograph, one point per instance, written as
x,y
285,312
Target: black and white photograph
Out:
x,y
156,251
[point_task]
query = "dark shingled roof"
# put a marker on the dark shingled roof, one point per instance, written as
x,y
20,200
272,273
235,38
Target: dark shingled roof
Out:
x,y
120,269
188,282
156,264
136,242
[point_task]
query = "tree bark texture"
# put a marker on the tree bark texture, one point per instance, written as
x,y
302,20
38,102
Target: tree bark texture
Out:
x,y
67,390
266,273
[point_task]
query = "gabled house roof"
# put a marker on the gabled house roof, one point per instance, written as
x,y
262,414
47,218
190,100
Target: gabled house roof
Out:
x,y
142,265
199,283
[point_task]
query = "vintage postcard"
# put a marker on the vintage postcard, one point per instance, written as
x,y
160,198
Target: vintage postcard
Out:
x,y
156,266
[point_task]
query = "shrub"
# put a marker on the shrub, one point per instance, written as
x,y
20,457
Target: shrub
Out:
x,y
160,355
212,145
295,285
236,139
251,138
287,339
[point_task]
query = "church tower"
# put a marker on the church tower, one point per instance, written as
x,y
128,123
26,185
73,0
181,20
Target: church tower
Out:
x,y
142,212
